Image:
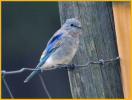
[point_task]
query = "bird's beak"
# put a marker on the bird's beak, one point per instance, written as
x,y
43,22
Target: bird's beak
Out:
x,y
79,27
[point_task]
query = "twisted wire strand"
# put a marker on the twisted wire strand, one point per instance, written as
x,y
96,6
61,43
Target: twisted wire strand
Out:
x,y
67,66
101,61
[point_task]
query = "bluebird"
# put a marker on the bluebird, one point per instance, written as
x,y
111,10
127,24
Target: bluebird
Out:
x,y
61,48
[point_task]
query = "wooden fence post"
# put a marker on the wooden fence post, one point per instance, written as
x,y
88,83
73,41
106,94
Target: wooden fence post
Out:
x,y
122,14
97,42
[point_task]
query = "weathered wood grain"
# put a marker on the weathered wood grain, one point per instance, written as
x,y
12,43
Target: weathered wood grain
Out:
x,y
122,13
97,42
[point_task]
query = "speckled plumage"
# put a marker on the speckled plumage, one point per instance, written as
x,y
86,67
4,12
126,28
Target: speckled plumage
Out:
x,y
61,48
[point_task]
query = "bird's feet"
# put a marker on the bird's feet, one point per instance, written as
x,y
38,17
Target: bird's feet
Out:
x,y
66,66
70,67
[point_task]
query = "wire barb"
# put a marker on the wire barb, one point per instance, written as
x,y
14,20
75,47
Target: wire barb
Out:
x,y
101,61
61,66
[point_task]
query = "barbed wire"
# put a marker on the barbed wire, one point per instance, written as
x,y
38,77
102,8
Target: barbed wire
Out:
x,y
60,66
67,66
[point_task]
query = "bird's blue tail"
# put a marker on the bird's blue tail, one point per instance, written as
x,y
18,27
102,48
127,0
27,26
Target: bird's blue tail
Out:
x,y
35,72
32,74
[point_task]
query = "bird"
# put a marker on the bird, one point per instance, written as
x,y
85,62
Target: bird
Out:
x,y
61,48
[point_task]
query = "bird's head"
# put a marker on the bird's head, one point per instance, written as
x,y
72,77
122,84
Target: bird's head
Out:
x,y
72,25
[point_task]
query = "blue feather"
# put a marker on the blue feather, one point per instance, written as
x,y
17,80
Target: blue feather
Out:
x,y
53,42
38,66
49,50
51,46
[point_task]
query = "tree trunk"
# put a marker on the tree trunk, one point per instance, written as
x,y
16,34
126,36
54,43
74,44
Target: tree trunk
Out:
x,y
97,42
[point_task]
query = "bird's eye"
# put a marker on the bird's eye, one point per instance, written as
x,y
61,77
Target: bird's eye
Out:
x,y
72,25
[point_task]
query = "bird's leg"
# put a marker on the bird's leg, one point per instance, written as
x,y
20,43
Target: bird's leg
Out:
x,y
66,66
70,67
62,66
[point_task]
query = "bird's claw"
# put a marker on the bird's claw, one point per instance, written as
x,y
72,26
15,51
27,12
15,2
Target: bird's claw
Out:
x,y
70,67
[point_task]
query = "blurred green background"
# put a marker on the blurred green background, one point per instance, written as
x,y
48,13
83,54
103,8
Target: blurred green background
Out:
x,y
26,29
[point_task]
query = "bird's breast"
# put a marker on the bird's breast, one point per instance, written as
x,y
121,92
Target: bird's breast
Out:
x,y
64,54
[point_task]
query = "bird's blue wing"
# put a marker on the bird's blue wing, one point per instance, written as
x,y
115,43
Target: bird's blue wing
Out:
x,y
53,44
